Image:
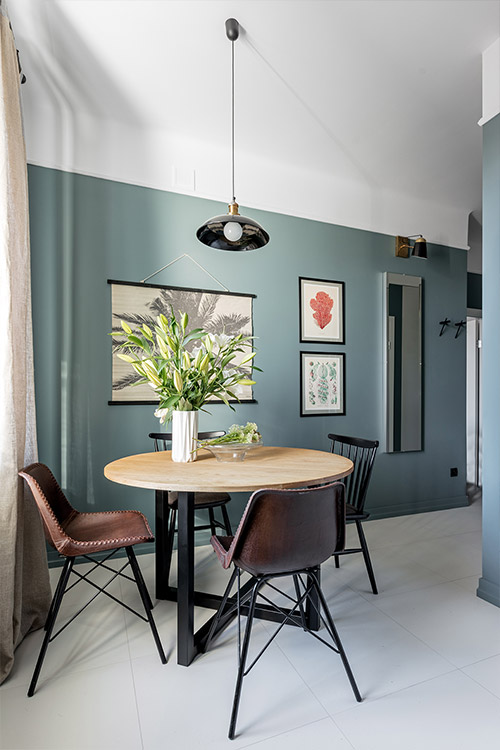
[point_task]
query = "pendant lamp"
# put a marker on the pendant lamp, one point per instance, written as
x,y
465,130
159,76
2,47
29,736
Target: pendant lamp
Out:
x,y
232,231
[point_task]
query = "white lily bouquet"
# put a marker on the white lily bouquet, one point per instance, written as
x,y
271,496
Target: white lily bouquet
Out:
x,y
185,380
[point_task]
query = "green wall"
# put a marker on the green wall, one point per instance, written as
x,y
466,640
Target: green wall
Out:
x,y
85,230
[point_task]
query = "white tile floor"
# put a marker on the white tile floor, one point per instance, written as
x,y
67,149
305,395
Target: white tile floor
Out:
x,y
425,653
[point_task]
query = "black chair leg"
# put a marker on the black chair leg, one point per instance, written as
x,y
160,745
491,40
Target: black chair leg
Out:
x,y
336,639
301,606
242,661
366,555
227,522
51,619
54,599
337,561
213,529
170,544
220,611
145,600
144,587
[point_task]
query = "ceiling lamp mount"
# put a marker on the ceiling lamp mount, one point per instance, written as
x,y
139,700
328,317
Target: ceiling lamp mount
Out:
x,y
419,247
232,231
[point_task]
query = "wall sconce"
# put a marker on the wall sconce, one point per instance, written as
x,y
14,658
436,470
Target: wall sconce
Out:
x,y
419,246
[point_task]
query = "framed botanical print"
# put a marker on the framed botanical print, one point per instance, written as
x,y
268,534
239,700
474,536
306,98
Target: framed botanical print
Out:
x,y
321,310
322,384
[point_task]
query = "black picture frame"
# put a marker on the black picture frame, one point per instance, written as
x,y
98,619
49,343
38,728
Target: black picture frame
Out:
x,y
320,390
325,326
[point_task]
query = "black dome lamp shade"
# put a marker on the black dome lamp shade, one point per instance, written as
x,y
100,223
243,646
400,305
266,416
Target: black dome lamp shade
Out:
x,y
420,248
232,231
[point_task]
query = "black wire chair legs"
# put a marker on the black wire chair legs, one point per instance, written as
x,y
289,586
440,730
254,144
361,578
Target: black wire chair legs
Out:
x,y
242,660
146,601
305,592
366,555
62,587
51,619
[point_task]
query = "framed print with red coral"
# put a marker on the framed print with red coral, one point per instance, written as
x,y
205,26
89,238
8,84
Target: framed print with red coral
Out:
x,y
322,384
321,310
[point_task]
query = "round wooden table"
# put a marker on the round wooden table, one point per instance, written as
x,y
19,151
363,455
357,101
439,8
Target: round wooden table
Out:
x,y
264,467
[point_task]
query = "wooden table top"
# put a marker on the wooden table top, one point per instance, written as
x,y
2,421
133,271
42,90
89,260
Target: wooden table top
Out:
x,y
266,466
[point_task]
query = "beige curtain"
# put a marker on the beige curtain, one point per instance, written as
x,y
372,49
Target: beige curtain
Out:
x,y
24,580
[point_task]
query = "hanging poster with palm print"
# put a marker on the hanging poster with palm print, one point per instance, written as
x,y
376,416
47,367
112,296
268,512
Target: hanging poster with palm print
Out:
x,y
321,310
216,312
322,384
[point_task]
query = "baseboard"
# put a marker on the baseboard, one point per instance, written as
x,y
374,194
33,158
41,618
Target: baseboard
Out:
x,y
489,591
409,509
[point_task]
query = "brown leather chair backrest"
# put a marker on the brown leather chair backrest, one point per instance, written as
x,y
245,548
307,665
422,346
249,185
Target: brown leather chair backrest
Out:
x,y
51,501
286,530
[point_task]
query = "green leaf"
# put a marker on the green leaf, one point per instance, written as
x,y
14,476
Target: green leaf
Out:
x,y
248,358
136,340
170,401
126,358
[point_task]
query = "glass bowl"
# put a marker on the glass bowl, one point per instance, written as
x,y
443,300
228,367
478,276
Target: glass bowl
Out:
x,y
227,452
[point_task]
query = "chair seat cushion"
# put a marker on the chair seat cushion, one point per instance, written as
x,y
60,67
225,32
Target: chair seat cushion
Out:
x,y
94,532
202,500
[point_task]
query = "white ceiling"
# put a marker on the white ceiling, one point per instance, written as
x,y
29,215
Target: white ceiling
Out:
x,y
380,93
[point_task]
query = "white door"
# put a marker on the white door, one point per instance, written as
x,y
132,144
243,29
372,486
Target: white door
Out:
x,y
474,427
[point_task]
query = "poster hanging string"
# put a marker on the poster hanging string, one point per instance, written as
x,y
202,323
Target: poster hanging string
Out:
x,y
185,255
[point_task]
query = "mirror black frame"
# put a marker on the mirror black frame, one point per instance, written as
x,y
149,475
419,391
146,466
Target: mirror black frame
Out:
x,y
403,362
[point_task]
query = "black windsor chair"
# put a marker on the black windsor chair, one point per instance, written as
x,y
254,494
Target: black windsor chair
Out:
x,y
362,453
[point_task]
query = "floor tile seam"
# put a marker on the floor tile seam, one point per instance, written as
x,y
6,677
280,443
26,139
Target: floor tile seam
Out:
x,y
461,669
479,661
417,637
399,690
456,581
47,682
392,545
136,700
316,698
302,679
445,582
368,596
288,731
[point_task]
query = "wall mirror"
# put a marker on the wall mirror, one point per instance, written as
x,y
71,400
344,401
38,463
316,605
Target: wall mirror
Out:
x,y
403,367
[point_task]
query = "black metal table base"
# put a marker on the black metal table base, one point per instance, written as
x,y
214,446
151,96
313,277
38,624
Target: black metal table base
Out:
x,y
189,642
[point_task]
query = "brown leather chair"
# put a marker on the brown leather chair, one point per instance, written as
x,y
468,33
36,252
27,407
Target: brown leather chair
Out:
x,y
282,533
75,534
362,453
202,501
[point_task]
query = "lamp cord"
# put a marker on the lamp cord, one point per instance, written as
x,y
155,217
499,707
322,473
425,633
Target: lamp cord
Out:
x,y
232,118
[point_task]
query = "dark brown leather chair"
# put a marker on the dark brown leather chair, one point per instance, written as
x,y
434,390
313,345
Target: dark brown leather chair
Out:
x,y
283,533
362,453
75,534
202,501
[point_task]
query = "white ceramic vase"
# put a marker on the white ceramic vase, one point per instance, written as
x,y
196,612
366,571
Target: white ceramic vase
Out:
x,y
184,436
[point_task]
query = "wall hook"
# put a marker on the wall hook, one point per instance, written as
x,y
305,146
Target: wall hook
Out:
x,y
459,326
443,324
